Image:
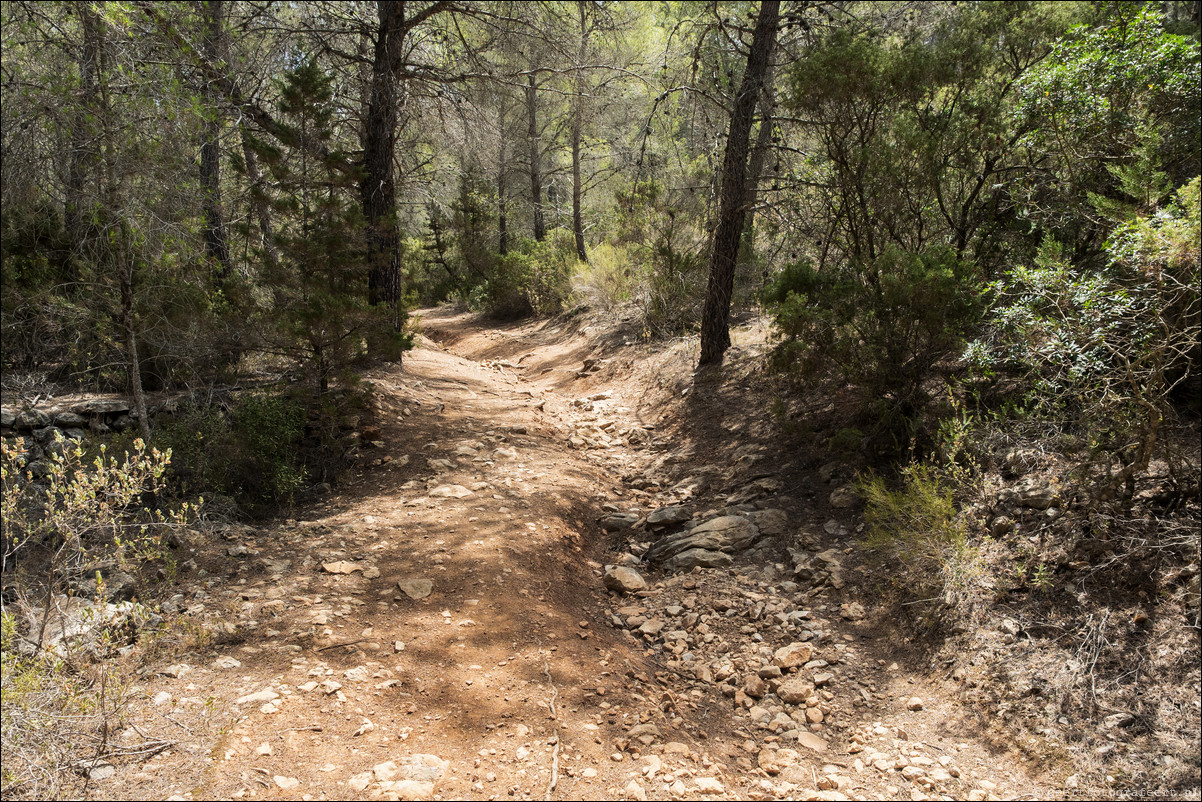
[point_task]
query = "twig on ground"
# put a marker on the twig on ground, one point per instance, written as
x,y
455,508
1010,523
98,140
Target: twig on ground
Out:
x,y
336,645
554,715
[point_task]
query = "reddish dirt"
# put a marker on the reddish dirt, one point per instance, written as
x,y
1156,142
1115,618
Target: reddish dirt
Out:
x,y
509,668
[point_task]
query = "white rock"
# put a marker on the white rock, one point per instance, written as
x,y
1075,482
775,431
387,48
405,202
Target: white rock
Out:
x,y
450,491
341,567
265,695
793,655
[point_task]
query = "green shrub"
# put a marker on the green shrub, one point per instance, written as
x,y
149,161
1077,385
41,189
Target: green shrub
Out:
x,y
915,531
660,230
535,278
81,517
270,429
1103,351
885,326
253,454
609,278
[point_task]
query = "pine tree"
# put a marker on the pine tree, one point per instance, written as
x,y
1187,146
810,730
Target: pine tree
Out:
x,y
319,313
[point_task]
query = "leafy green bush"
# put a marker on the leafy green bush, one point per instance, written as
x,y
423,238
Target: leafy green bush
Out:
x,y
659,229
915,531
884,325
533,279
253,454
1104,94
1104,350
609,278
270,429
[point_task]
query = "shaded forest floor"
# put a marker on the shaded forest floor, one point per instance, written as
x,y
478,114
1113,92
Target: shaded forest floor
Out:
x,y
438,627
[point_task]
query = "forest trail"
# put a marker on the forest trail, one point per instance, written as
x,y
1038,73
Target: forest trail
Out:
x,y
438,628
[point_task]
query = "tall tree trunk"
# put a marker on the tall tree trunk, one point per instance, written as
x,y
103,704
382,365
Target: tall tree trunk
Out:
x,y
217,244
577,126
83,132
118,239
502,168
124,264
715,317
755,166
258,201
377,188
536,178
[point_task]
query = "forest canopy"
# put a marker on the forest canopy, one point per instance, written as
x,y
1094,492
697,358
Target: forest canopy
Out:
x,y
908,189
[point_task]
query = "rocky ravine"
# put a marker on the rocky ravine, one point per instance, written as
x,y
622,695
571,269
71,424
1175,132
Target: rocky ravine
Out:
x,y
453,626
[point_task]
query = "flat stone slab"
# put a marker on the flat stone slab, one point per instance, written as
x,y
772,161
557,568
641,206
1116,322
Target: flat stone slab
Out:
x,y
101,406
667,516
341,567
728,533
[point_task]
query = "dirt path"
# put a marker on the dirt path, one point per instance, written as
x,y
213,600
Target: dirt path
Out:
x,y
441,630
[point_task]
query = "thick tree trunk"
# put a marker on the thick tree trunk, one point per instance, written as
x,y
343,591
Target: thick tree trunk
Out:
x,y
118,240
216,239
377,188
536,178
577,194
715,318
577,127
755,166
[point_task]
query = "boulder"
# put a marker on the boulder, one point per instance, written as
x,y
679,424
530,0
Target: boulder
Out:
x,y
770,522
624,579
618,521
1038,497
31,419
668,516
70,420
416,587
1001,526
844,497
